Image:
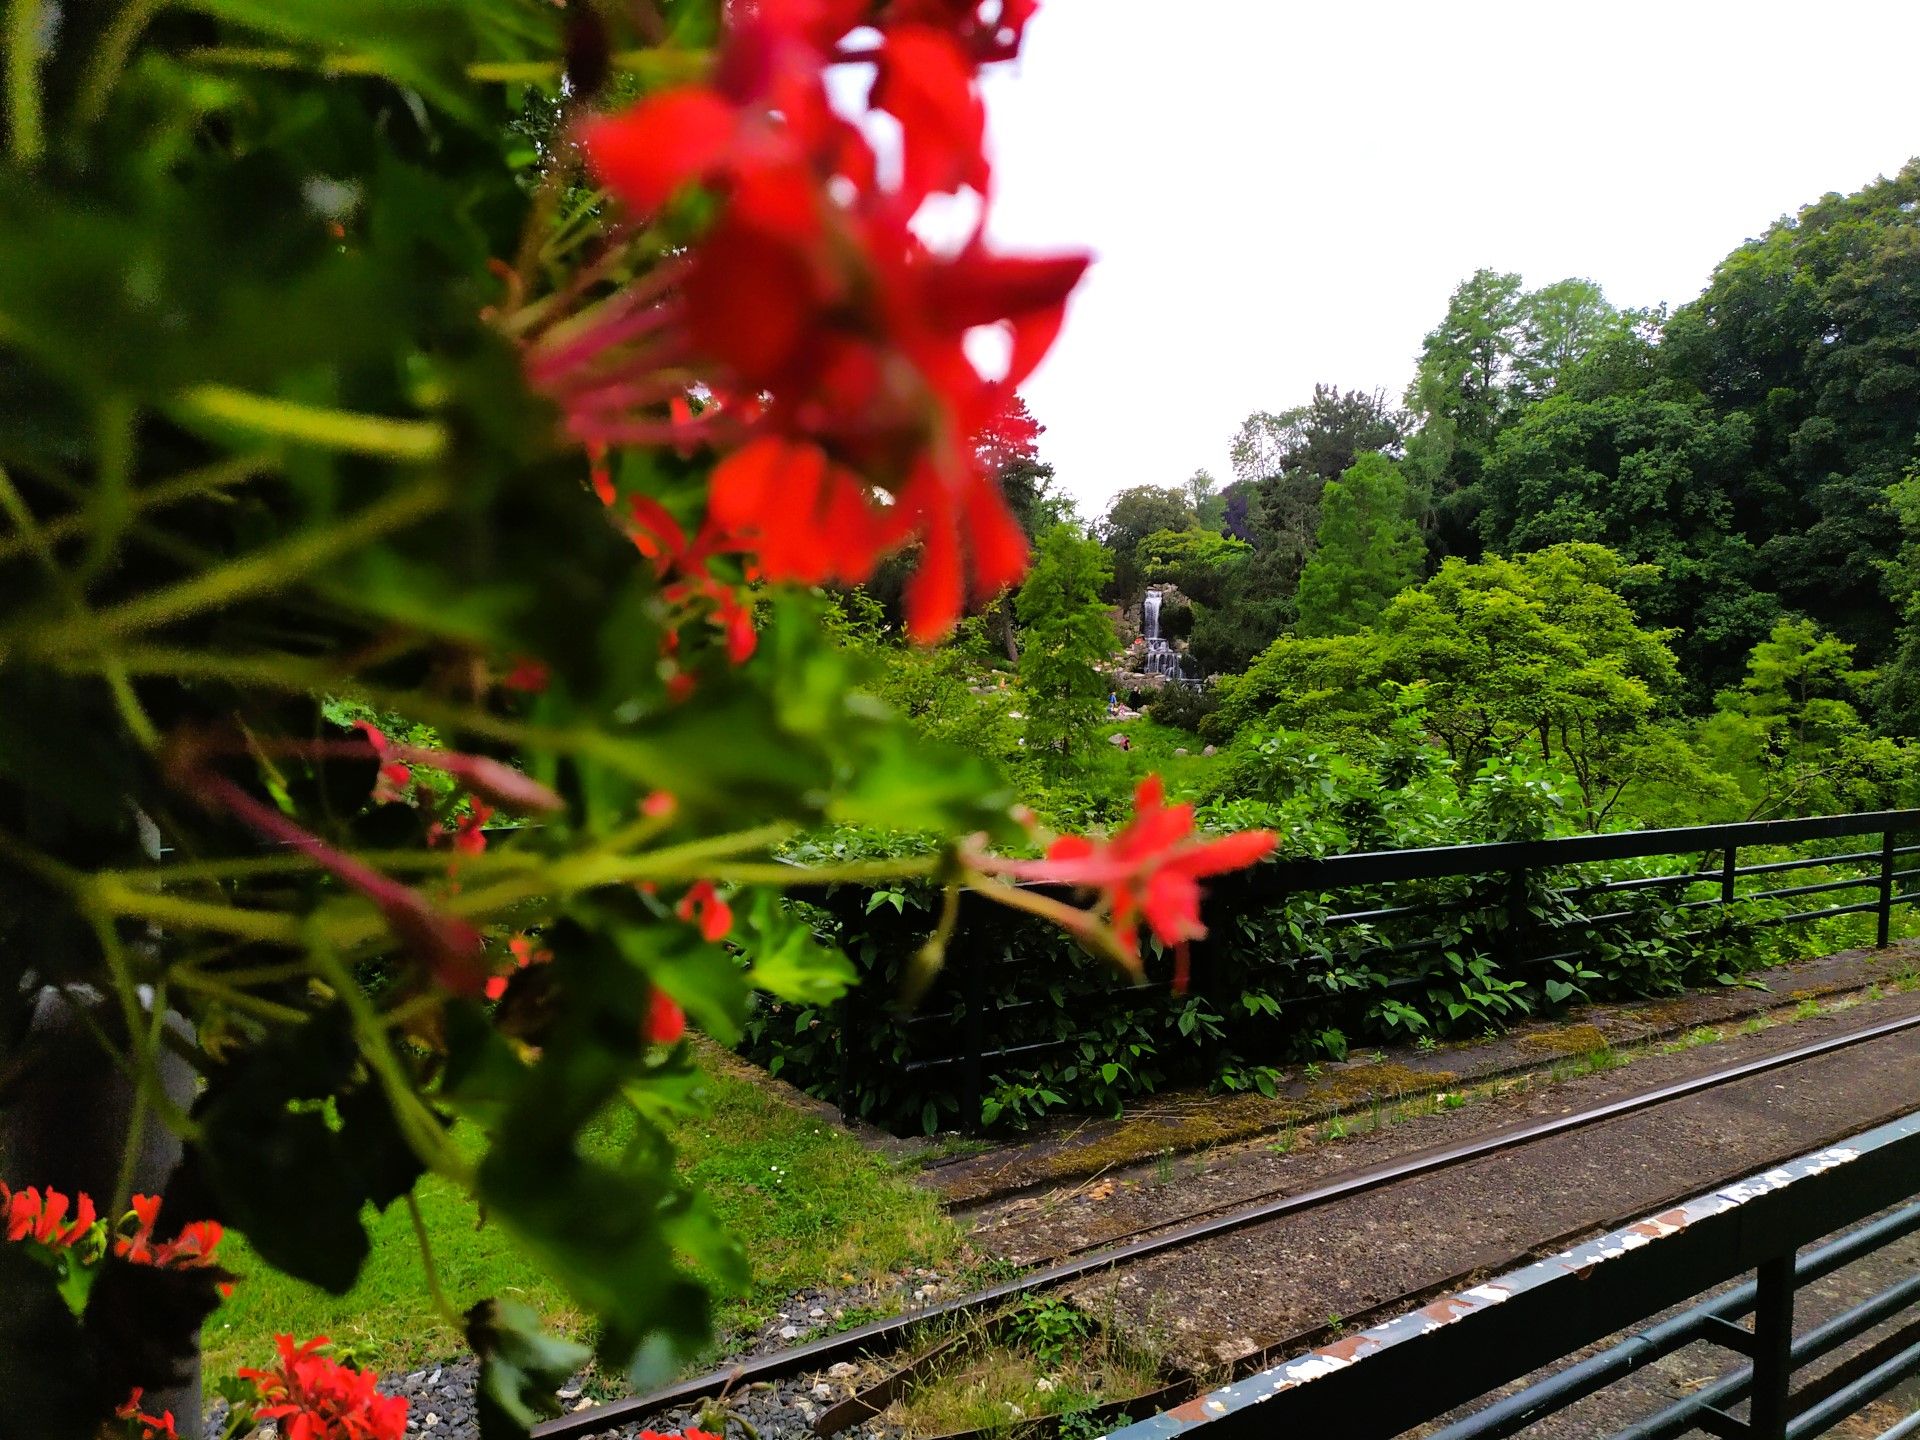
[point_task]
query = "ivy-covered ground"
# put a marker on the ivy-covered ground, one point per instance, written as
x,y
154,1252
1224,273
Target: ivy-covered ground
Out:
x,y
812,1207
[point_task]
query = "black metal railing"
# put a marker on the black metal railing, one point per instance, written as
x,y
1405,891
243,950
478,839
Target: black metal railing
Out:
x,y
1528,906
1453,1352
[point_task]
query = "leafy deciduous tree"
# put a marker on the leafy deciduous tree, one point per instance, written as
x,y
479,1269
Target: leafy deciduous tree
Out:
x,y
1368,550
1068,634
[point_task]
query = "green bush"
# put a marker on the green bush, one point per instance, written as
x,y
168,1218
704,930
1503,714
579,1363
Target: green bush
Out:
x,y
1184,707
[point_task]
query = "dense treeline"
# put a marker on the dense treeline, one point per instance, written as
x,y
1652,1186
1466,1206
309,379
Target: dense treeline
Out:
x,y
1751,446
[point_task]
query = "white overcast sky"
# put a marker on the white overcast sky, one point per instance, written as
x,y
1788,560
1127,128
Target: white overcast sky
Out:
x,y
1281,192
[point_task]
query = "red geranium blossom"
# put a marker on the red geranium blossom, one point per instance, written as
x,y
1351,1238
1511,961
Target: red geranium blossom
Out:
x,y
192,1249
666,1021
812,295
702,906
315,1398
152,1427
1150,871
30,1214
524,953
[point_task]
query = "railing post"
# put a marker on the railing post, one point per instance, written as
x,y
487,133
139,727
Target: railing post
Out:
x,y
1772,1349
845,1017
1729,873
1509,946
1886,890
973,1029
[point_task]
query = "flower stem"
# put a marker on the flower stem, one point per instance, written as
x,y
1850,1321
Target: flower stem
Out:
x,y
119,898
207,480
432,1271
422,1129
24,137
261,572
33,537
381,436
794,876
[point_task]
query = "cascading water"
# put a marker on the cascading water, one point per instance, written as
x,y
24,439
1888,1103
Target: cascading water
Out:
x,y
1162,659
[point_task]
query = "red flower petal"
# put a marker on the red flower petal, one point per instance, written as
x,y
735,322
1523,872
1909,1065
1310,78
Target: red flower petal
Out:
x,y
926,84
645,154
666,1021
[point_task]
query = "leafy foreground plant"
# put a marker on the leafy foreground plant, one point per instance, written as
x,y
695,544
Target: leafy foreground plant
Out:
x,y
334,386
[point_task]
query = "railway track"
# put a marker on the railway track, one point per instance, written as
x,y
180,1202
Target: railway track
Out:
x,y
1197,1226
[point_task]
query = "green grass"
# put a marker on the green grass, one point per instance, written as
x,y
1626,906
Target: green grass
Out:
x,y
811,1206
1152,753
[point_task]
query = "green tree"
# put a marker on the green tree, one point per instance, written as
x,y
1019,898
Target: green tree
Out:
x,y
1136,513
1560,325
1812,331
1200,563
1658,476
1209,505
1499,348
1068,638
1897,702
1539,655
1292,456
1368,550
1801,685
1793,737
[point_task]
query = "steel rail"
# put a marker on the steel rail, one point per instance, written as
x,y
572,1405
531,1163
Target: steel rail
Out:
x,y
878,1333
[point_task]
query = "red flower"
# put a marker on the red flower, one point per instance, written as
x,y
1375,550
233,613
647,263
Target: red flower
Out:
x,y
660,538
666,1021
192,1249
529,676
391,783
812,293
926,83
659,804
152,1427
315,1398
989,31
1150,871
31,1215
522,949
469,835
703,906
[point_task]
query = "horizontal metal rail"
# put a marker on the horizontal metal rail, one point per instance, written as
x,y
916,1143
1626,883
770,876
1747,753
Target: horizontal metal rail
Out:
x,y
1454,1351
1379,919
1514,1413
1375,867
1777,867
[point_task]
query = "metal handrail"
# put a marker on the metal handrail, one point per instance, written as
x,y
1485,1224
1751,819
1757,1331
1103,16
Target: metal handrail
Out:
x,y
1458,1350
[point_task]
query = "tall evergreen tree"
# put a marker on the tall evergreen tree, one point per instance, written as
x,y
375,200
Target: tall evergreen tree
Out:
x,y
1067,636
1368,550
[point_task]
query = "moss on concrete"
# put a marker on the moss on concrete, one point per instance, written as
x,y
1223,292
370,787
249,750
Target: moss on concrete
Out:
x,y
1566,1040
1237,1117
1380,1081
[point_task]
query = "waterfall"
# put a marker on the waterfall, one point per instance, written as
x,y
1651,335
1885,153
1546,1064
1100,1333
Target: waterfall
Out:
x,y
1162,659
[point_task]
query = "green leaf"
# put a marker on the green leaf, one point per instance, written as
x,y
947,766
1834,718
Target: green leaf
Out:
x,y
520,1367
787,960
422,44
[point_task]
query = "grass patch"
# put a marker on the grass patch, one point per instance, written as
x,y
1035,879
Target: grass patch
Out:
x,y
811,1206
1045,1359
